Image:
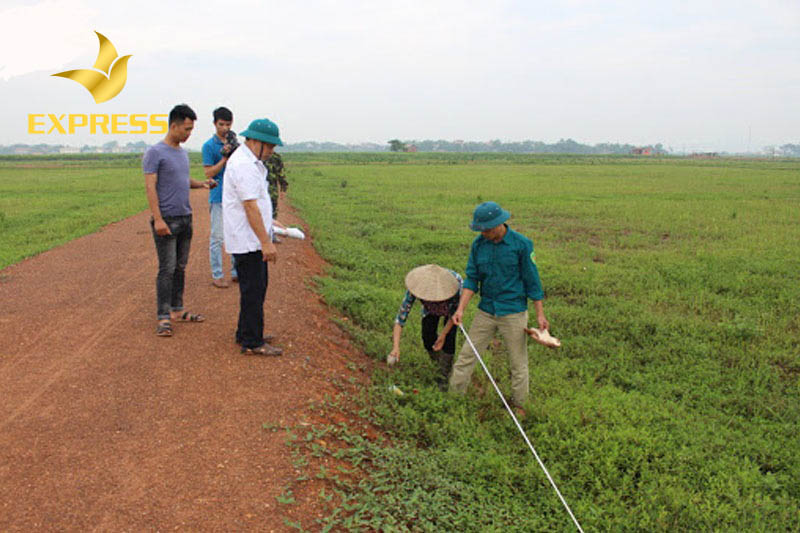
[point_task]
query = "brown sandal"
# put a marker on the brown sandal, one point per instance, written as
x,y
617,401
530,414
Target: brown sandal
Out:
x,y
164,329
189,317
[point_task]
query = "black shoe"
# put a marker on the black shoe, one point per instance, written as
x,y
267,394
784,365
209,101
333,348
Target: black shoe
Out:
x,y
269,337
264,349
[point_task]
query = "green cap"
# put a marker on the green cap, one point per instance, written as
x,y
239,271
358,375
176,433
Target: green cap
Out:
x,y
263,129
487,216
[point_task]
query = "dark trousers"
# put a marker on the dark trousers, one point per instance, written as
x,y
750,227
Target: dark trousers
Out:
x,y
173,255
430,332
443,358
253,280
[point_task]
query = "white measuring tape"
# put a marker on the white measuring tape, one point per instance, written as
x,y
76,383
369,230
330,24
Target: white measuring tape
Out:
x,y
519,427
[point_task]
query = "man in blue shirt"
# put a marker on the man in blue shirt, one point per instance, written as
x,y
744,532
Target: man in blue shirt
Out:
x,y
216,151
502,268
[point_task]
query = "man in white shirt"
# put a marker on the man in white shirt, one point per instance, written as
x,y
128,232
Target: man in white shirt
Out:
x,y
247,224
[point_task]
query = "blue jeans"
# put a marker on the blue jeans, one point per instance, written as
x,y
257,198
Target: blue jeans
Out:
x,y
173,254
215,242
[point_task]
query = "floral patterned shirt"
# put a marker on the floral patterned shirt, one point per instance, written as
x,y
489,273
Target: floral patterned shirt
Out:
x,y
443,308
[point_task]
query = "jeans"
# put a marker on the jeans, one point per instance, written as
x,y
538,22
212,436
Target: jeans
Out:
x,y
215,242
253,281
173,254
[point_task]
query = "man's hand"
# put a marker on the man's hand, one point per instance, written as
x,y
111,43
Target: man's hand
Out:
x,y
543,323
269,252
197,184
161,228
466,296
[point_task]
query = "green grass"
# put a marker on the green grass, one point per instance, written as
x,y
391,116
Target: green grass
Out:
x,y
673,284
47,200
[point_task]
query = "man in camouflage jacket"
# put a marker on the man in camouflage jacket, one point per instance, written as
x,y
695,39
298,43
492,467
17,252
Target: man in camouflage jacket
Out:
x,y
276,176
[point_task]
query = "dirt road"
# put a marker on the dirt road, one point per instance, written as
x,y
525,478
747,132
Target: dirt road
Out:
x,y
104,426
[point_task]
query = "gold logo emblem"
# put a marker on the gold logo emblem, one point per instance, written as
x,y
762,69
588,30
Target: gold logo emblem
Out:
x,y
105,82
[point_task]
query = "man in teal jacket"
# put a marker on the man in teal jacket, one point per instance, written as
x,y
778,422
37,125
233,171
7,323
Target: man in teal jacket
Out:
x,y
502,268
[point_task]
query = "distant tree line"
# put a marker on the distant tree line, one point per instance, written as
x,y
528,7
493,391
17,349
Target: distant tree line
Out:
x,y
109,147
791,150
314,146
563,146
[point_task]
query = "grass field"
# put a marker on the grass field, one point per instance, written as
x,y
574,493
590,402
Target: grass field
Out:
x,y
47,201
673,404
674,284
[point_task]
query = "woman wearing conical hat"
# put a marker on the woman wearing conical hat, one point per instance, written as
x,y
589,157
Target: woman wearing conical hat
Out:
x,y
438,290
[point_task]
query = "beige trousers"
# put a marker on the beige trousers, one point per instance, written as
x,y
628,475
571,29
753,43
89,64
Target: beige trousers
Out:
x,y
481,332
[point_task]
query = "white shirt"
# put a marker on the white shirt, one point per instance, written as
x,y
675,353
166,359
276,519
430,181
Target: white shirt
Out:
x,y
245,179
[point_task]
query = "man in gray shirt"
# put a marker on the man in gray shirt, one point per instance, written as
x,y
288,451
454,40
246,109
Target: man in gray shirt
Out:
x,y
167,183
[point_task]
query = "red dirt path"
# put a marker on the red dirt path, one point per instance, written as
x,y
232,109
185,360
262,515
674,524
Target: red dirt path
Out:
x,y
104,426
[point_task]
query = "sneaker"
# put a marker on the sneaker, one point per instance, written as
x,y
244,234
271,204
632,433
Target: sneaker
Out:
x,y
220,283
264,349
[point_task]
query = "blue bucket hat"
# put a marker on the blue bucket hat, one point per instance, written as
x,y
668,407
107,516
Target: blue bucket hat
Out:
x,y
263,129
487,216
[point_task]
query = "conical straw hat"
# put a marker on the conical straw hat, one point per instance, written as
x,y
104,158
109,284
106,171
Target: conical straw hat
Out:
x,y
431,283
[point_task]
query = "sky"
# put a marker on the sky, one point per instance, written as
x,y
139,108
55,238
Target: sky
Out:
x,y
694,75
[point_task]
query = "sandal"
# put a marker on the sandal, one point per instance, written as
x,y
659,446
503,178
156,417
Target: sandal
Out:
x,y
164,329
264,349
189,317
542,336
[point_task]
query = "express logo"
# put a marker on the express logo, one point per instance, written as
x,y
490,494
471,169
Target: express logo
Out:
x,y
104,81
109,75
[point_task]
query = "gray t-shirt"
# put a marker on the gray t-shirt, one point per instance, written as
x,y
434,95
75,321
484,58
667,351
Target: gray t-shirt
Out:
x,y
171,167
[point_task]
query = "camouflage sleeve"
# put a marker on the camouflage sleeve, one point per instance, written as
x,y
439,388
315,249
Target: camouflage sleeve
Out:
x,y
280,173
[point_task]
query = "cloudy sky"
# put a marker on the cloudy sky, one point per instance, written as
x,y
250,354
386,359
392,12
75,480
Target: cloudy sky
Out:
x,y
693,75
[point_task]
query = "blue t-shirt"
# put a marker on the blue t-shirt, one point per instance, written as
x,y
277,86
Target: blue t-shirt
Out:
x,y
171,167
212,156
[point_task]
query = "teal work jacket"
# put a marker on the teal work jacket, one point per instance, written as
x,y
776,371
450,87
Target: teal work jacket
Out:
x,y
503,273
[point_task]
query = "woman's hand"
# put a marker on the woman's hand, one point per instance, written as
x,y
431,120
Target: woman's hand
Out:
x,y
438,344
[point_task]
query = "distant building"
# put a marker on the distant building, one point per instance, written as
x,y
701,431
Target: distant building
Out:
x,y
643,150
410,148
